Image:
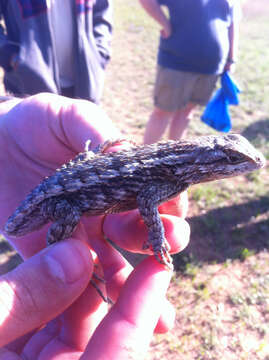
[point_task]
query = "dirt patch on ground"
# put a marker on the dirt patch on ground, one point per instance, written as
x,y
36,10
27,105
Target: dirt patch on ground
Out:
x,y
255,8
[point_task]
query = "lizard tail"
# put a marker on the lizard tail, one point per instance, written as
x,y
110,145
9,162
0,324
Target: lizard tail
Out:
x,y
28,217
21,223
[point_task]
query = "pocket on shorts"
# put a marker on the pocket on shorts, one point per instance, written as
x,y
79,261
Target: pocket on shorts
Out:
x,y
204,88
172,89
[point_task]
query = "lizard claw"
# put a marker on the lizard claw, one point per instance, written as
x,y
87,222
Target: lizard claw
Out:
x,y
164,258
161,254
146,246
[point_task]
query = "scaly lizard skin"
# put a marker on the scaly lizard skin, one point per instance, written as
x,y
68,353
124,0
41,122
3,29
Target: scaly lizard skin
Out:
x,y
97,182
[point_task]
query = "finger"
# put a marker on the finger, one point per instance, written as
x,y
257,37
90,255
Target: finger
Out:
x,y
167,318
40,339
129,232
78,323
116,271
42,287
80,320
177,206
18,344
115,267
6,106
64,125
80,121
127,330
76,326
5,354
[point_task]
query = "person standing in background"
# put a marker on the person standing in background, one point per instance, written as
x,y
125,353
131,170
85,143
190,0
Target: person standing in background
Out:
x,y
55,46
198,42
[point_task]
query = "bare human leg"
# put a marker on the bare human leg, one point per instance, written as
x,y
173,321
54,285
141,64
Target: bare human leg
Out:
x,y
180,121
156,125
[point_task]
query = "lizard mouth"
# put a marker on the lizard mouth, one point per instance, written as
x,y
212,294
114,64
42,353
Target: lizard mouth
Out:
x,y
241,151
252,159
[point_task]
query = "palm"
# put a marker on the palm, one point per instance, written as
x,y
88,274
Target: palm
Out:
x,y
40,141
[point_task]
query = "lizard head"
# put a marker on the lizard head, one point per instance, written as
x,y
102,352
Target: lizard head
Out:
x,y
218,157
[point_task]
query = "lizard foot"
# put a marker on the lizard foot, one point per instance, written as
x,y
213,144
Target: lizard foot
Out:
x,y
161,253
164,258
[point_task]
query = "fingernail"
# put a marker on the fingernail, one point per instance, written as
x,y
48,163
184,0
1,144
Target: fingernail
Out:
x,y
66,261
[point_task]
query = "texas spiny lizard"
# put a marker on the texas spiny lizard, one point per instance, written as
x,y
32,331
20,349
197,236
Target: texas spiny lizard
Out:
x,y
99,182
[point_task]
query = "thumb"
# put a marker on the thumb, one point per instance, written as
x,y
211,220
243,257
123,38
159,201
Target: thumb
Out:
x,y
42,287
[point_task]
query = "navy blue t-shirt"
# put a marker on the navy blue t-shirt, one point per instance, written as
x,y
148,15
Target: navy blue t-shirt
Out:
x,y
199,41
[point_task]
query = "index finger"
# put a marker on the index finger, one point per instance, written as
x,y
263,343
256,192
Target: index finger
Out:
x,y
129,232
128,328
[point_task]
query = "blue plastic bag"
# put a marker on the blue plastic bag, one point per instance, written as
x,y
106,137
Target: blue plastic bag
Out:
x,y
216,113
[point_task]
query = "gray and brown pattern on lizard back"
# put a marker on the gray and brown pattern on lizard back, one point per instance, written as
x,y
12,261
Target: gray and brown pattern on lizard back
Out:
x,y
141,177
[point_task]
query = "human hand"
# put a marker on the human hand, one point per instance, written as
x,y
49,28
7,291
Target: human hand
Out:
x,y
230,66
47,305
37,136
154,9
166,31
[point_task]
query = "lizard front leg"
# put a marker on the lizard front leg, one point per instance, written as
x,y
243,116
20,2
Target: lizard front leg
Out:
x,y
148,200
65,217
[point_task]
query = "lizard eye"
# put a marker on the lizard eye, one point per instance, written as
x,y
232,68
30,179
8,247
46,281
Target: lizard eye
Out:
x,y
235,158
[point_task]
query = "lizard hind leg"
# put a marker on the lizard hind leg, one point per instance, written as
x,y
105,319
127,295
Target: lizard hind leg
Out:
x,y
94,282
65,219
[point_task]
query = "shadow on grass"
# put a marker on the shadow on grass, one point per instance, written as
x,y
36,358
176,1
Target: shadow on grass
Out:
x,y
258,134
227,233
256,130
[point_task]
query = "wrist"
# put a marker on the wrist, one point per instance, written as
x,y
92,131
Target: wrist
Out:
x,y
14,60
230,60
7,51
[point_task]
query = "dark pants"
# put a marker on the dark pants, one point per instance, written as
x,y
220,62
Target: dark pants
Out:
x,y
68,92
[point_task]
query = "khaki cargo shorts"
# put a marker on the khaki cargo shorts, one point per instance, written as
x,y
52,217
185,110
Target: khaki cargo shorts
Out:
x,y
174,89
